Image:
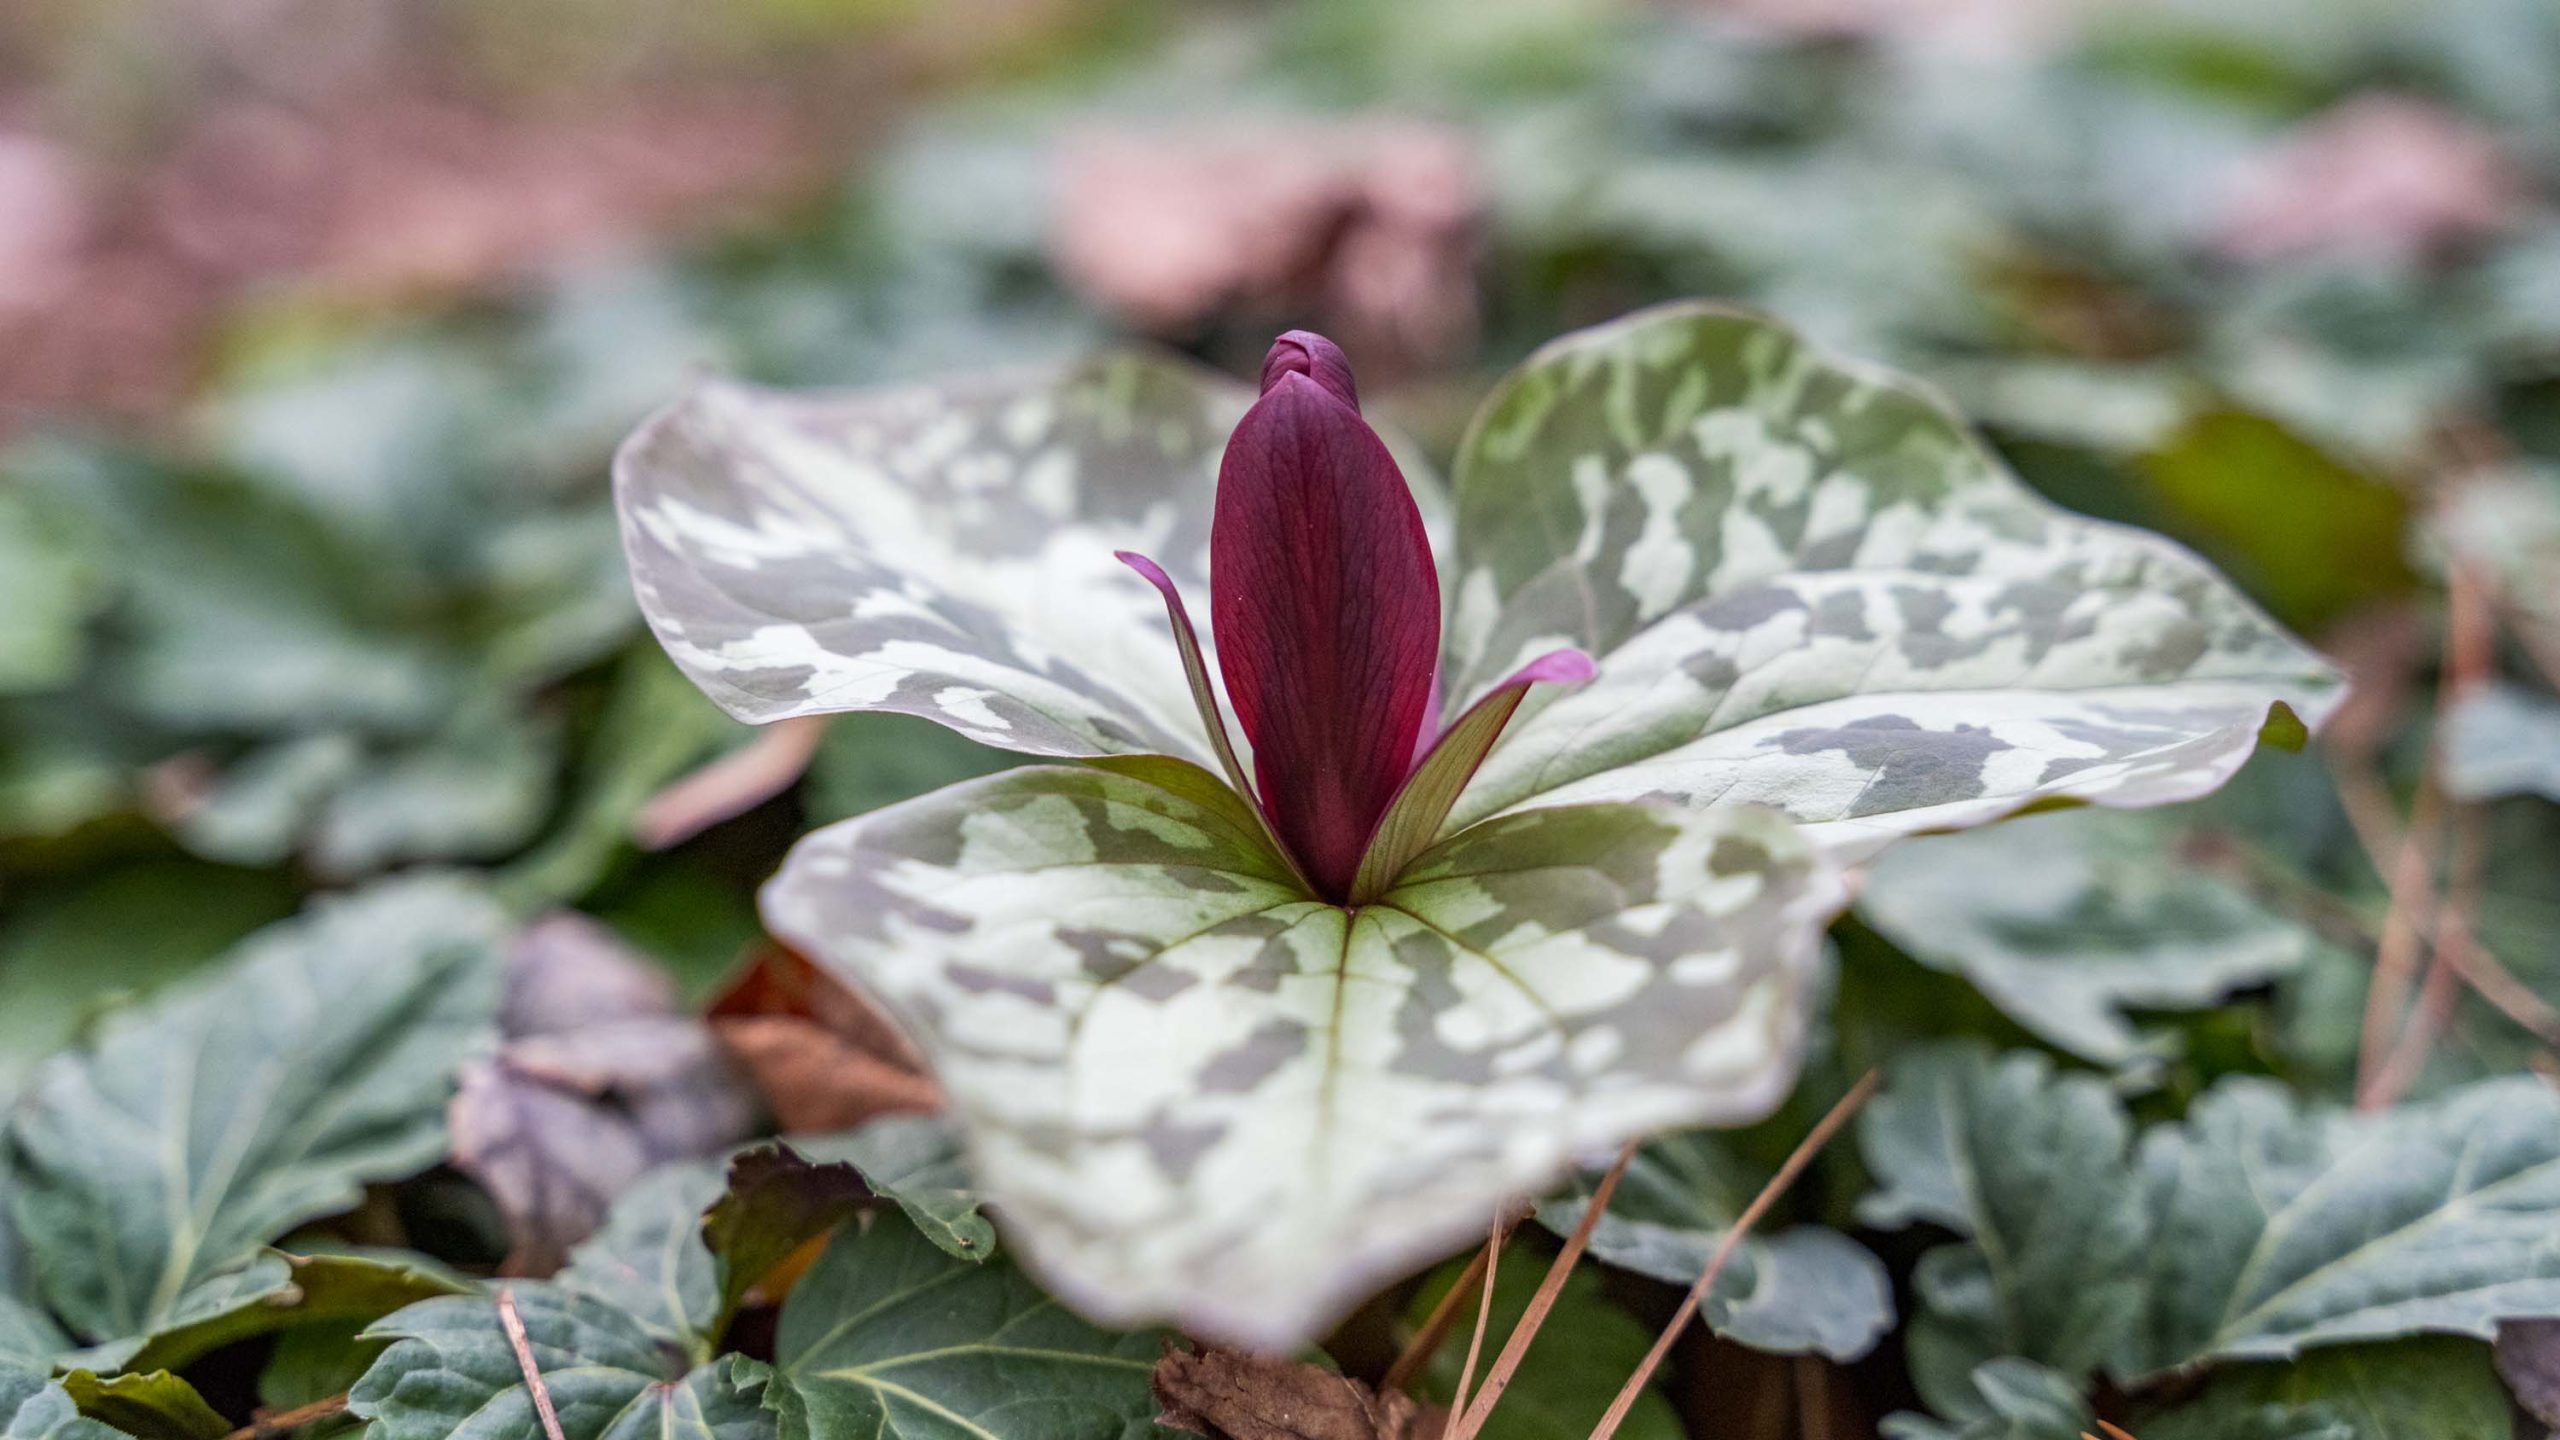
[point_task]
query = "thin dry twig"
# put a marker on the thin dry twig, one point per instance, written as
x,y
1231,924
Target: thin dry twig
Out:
x,y
1492,1255
1435,1329
2404,929
513,1324
285,1422
1471,1418
1794,1166
2386,1065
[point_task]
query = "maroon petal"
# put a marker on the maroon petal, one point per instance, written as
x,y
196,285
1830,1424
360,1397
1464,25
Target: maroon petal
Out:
x,y
1204,696
1326,608
1413,820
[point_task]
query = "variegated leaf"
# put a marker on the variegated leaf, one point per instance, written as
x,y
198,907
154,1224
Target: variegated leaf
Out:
x,y
1192,1092
943,551
1809,586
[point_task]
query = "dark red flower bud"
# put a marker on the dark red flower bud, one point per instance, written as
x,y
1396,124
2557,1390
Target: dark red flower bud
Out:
x,y
1304,352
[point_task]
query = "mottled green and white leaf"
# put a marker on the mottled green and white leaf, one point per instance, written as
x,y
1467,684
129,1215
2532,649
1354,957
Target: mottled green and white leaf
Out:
x,y
1805,1289
196,1128
943,550
2067,922
2029,1167
2275,1227
1809,586
1192,1092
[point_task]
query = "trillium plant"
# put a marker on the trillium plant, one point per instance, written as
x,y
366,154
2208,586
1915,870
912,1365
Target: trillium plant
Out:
x,y
1539,791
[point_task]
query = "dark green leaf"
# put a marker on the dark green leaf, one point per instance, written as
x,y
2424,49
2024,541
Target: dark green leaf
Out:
x,y
2429,1389
278,1291
915,1162
198,1127
889,1337
452,1375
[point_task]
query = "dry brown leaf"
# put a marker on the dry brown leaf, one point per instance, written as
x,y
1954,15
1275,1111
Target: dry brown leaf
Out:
x,y
823,1056
1368,227
599,1077
1233,1395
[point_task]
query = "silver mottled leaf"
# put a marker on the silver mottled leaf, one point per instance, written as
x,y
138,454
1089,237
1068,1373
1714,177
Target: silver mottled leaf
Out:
x,y
1796,1291
2274,1228
2005,1399
1191,1092
2029,1167
2502,741
944,551
33,1406
1809,586
2068,921
2432,1388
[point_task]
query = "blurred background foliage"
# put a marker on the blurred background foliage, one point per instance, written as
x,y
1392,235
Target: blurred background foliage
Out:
x,y
318,324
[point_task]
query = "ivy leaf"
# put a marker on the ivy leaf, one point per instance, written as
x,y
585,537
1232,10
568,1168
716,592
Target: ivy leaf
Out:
x,y
2029,1168
278,1291
1193,1092
943,552
649,1261
1808,586
914,1162
451,1374
2005,1399
2276,1228
34,1406
888,1336
2068,921
1801,1290
2434,1388
196,1128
